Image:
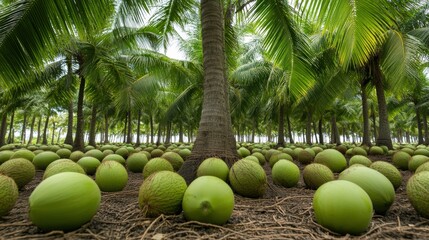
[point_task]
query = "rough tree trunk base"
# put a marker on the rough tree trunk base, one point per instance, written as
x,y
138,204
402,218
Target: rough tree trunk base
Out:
x,y
385,142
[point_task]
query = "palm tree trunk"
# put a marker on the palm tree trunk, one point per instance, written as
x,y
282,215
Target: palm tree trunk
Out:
x,y
130,128
10,138
45,129
281,127
69,135
366,139
374,123
419,127
106,128
92,125
215,136
3,129
151,128
308,128
384,137
39,126
53,133
139,116
425,128
289,129
321,140
33,121
180,131
335,132
79,137
24,127
158,139
168,133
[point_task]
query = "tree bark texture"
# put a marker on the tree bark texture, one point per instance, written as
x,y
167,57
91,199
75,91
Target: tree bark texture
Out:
x,y
215,137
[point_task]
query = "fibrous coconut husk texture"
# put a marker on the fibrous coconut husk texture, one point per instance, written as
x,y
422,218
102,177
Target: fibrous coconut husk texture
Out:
x,y
283,213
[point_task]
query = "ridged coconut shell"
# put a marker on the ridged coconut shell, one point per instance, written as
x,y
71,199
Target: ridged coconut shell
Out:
x,y
162,193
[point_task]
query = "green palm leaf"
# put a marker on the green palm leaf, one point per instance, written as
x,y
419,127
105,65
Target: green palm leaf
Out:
x,y
31,28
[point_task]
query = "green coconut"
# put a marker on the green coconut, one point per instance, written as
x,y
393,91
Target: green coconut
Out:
x,y
111,176
208,199
333,159
8,194
213,167
316,174
359,151
423,167
20,170
66,166
114,157
123,152
64,202
94,153
43,159
261,158
341,148
389,171
76,155
343,207
184,153
155,165
162,193
5,155
408,150
418,192
277,156
316,149
248,179
285,173
378,187
415,161
59,161
89,164
156,153
23,153
305,156
400,159
63,153
422,151
243,152
136,162
271,152
376,150
360,159
174,158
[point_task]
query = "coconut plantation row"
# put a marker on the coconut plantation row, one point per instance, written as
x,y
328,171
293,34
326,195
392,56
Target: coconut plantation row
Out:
x,y
212,119
349,186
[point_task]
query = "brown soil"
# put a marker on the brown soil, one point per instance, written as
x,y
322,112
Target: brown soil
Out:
x,y
284,213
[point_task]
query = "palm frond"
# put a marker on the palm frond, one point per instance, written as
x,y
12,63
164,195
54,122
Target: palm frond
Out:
x,y
356,27
31,29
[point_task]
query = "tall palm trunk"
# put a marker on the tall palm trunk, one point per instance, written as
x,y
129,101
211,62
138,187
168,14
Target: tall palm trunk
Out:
x,y
320,128
24,128
151,128
69,135
106,128
53,133
308,128
425,127
139,116
39,126
384,136
180,131
289,129
3,129
79,137
130,128
45,129
92,125
33,121
366,138
335,135
215,136
10,138
168,133
419,127
281,129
